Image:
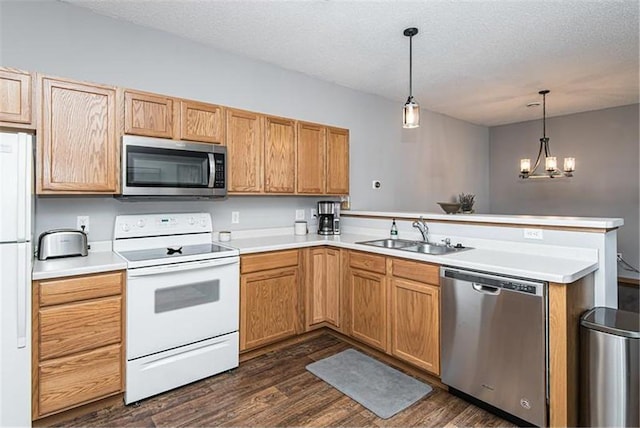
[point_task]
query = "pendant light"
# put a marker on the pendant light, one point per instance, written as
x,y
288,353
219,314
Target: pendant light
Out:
x,y
411,110
550,162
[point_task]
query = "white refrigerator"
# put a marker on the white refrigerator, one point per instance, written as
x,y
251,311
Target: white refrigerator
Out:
x,y
16,202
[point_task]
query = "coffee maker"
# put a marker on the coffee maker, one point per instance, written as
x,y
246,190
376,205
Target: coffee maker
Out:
x,y
328,218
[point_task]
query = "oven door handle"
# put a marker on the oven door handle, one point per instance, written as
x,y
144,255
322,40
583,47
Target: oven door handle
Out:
x,y
178,267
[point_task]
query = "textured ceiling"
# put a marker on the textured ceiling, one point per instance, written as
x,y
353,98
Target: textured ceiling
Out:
x,y
479,61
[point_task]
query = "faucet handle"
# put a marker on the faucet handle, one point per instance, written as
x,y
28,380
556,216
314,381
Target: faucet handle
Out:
x,y
447,242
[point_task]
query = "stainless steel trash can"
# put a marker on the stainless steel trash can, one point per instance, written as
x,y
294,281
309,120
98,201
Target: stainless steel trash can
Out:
x,y
609,375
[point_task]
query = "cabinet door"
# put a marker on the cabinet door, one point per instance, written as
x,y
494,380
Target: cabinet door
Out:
x,y
279,155
310,169
201,122
15,96
244,151
268,307
415,323
323,292
147,114
337,161
368,308
77,138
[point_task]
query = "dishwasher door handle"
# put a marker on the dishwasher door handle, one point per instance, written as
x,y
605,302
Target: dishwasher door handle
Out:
x,y
485,289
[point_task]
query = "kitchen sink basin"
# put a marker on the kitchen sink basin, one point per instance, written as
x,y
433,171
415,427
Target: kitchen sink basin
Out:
x,y
389,243
413,246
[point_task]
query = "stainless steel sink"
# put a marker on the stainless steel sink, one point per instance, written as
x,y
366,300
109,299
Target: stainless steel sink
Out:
x,y
389,243
413,246
430,249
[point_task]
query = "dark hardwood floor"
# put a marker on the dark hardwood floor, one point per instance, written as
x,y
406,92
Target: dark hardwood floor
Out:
x,y
276,390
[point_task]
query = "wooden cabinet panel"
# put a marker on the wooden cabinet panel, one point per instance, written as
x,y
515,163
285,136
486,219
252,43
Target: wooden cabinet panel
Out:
x,y
415,323
71,381
310,169
368,308
323,287
78,142
15,97
268,307
369,262
244,151
201,122
418,271
337,161
65,290
68,329
148,114
271,260
279,155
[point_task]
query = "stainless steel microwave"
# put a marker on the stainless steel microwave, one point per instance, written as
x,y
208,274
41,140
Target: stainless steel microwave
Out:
x,y
158,168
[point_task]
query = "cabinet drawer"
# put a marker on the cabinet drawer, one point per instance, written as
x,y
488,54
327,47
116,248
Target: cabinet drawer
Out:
x,y
368,262
70,381
80,288
273,260
68,329
417,271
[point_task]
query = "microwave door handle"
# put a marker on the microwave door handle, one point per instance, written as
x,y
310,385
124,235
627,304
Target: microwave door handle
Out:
x,y
212,170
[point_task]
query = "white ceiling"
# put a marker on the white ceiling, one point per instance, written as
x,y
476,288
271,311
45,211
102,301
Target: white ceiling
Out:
x,y
480,61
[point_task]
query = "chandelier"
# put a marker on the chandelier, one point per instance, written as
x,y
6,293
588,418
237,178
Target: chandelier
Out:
x,y
550,162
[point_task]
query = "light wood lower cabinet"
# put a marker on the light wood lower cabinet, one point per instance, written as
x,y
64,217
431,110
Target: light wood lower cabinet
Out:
x,y
270,309
323,292
78,341
368,299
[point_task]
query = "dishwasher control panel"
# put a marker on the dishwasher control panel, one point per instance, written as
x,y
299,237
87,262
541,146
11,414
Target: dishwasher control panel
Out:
x,y
525,288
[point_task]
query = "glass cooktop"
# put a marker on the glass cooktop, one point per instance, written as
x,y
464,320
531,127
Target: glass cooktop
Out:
x,y
174,252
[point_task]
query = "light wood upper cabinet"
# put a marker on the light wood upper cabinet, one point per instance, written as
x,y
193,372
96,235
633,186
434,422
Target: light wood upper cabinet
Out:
x,y
269,298
148,114
77,341
78,147
201,122
310,168
16,96
244,151
323,287
337,161
279,155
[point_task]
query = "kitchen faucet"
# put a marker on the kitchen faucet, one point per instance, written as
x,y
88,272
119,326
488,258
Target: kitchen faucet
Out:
x,y
421,225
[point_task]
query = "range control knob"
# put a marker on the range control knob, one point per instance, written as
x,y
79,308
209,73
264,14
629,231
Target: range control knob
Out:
x,y
191,221
203,223
125,227
141,223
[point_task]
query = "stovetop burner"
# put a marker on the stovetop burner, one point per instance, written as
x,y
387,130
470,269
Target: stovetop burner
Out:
x,y
172,252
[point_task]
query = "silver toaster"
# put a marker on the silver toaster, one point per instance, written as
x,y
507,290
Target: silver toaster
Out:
x,y
62,243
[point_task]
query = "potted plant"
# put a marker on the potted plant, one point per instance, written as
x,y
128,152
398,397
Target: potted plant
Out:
x,y
466,202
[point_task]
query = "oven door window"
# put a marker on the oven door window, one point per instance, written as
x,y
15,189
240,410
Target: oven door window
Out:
x,y
155,167
185,296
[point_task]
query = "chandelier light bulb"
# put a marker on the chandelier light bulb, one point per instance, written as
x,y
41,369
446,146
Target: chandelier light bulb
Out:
x,y
569,164
525,165
550,163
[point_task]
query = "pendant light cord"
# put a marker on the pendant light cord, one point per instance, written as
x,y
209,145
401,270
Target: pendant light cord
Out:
x,y
410,67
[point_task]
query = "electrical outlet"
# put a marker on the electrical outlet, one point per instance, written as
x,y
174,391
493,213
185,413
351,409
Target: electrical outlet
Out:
x,y
313,214
235,217
619,256
299,214
82,223
533,234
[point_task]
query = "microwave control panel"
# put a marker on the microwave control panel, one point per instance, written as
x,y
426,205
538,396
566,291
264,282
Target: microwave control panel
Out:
x,y
220,173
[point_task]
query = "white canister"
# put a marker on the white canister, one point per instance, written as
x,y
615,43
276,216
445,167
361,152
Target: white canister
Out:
x,y
300,227
224,236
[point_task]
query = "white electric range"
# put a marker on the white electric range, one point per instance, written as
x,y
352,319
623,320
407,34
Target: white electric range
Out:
x,y
182,299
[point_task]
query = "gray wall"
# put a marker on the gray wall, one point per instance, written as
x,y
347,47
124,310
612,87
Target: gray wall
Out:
x,y
446,156
605,144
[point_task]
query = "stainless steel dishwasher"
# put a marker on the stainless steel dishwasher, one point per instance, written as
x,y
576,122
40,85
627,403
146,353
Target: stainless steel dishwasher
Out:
x,y
494,345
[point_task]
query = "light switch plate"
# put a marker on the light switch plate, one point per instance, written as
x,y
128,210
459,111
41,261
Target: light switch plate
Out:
x,y
235,217
533,234
299,214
